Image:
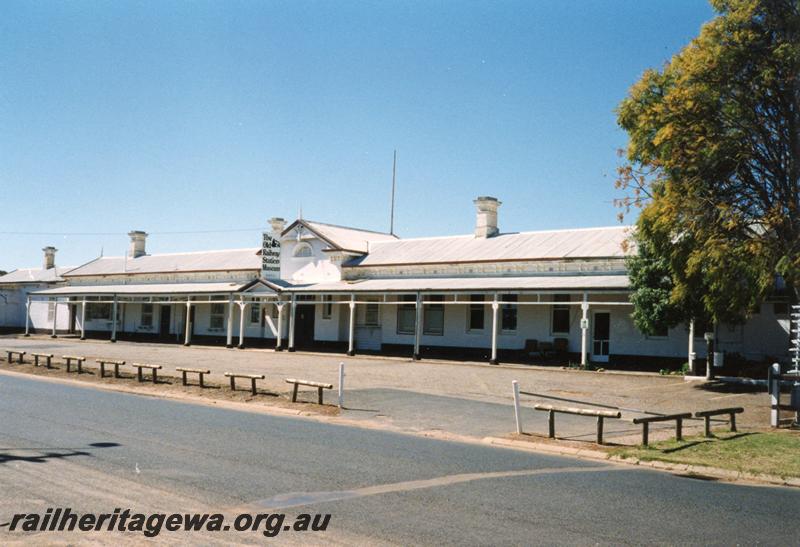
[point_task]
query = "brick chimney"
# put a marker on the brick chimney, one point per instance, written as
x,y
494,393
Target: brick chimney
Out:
x,y
278,225
49,258
137,248
486,221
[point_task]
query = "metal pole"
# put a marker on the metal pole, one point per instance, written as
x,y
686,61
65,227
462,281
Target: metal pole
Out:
x,y
83,319
188,327
229,325
341,385
114,320
691,347
417,327
584,327
28,316
351,348
291,323
495,307
242,312
278,337
55,317
517,416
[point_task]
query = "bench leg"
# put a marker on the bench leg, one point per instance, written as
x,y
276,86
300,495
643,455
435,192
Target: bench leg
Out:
x,y
645,433
599,430
679,429
139,374
253,386
9,357
48,362
116,371
80,369
201,379
319,395
707,424
102,370
294,394
20,359
155,376
183,377
551,424
36,360
233,384
733,422
68,363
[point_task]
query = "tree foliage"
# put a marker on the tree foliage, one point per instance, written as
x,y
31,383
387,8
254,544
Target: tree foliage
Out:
x,y
713,160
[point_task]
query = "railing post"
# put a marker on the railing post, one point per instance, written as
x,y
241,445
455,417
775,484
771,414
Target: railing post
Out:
x,y
775,394
679,429
645,433
551,424
517,417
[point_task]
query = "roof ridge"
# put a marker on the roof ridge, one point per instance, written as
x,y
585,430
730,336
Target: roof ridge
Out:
x,y
348,227
551,231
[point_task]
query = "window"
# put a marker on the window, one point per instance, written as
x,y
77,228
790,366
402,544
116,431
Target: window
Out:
x,y
302,250
406,315
372,315
561,314
255,313
327,307
98,311
476,312
147,315
508,318
660,332
217,319
51,311
433,318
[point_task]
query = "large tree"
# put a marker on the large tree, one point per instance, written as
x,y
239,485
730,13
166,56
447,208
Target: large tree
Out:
x,y
713,160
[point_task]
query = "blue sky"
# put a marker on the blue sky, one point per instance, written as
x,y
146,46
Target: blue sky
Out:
x,y
171,116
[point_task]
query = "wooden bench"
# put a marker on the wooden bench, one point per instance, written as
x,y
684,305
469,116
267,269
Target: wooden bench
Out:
x,y
104,362
707,414
251,377
78,359
647,420
153,370
19,355
48,359
319,385
599,414
199,371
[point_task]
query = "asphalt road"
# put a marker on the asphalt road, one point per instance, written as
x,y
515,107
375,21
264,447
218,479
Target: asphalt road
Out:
x,y
94,450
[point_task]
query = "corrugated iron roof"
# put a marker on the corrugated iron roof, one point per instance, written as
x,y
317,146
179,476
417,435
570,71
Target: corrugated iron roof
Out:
x,y
144,289
343,237
35,275
203,261
551,244
445,284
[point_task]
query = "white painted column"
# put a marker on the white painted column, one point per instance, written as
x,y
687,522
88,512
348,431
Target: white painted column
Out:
x,y
351,336
584,328
229,324
114,320
279,336
292,307
417,327
242,313
28,317
691,347
55,317
83,319
188,327
495,308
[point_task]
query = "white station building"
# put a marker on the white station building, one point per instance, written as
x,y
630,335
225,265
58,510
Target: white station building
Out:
x,y
489,295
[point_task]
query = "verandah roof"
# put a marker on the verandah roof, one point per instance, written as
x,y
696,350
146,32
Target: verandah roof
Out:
x,y
147,289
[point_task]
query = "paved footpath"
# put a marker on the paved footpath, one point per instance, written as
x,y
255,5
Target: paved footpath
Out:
x,y
460,398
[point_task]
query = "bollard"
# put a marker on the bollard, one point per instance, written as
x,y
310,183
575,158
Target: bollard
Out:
x,y
341,385
517,417
775,394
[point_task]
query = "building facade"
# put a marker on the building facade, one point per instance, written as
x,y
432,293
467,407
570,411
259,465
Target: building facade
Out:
x,y
527,296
